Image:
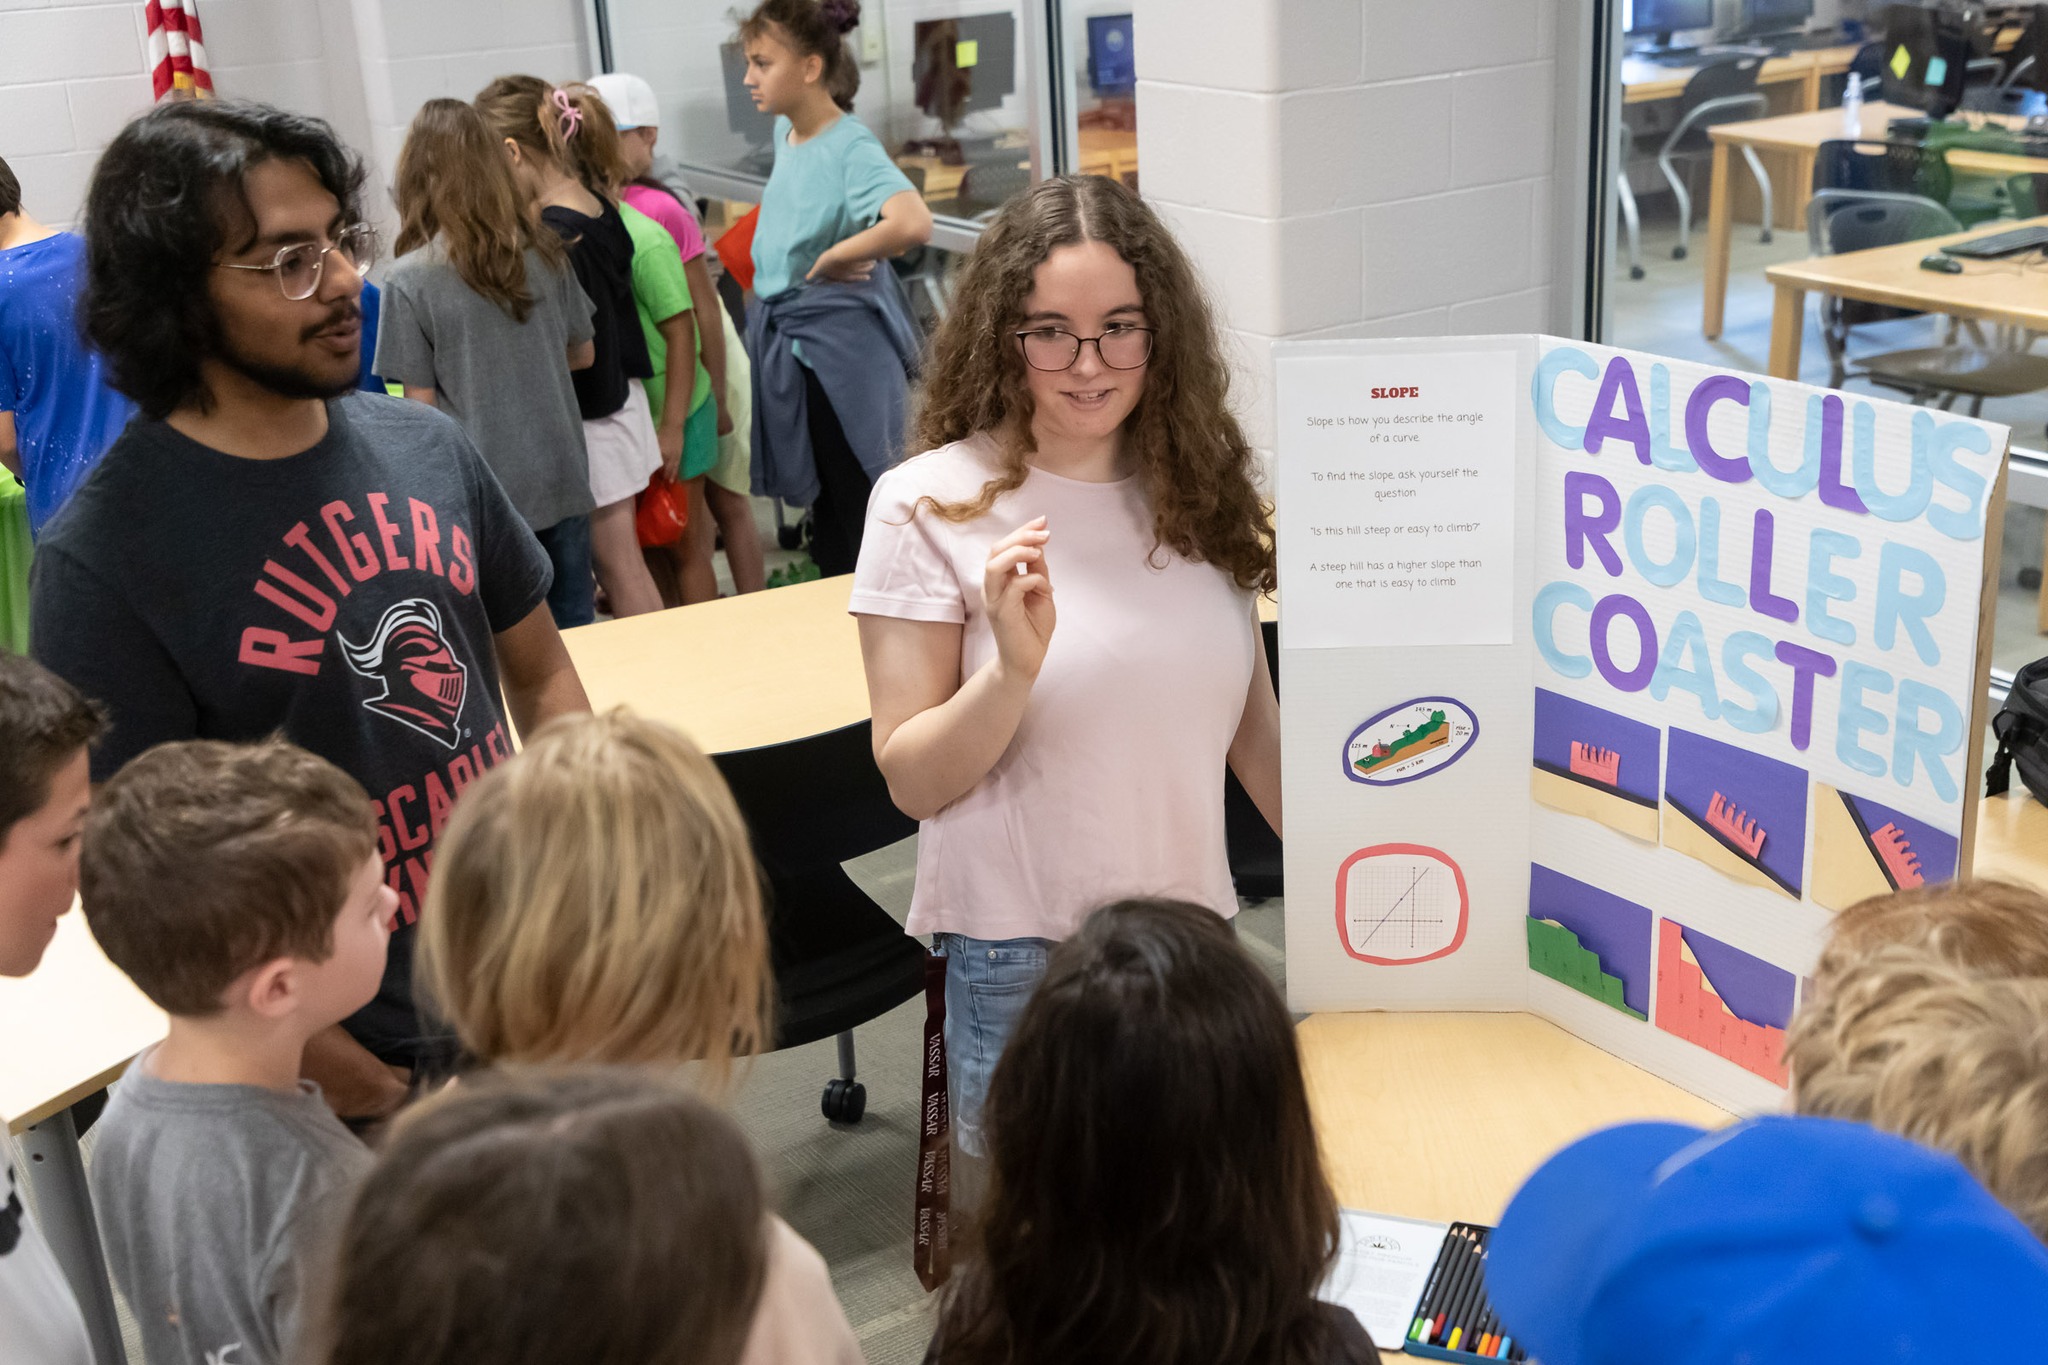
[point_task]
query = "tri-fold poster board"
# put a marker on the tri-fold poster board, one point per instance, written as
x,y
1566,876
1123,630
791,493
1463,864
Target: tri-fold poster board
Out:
x,y
1609,678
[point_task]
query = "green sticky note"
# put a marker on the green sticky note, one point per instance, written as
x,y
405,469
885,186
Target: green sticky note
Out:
x,y
1901,59
966,52
1937,69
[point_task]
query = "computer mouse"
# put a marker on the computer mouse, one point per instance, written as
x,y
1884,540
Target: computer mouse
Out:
x,y
1947,265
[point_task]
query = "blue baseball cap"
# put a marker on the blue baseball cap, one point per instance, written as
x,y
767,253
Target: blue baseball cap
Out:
x,y
1780,1241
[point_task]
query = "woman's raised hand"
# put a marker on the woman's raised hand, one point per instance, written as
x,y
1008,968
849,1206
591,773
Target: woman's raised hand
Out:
x,y
1017,589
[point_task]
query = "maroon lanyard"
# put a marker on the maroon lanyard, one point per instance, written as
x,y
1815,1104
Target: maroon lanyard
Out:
x,y
931,1249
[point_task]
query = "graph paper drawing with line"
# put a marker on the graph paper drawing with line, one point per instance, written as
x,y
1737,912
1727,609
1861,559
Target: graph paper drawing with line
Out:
x,y
1401,903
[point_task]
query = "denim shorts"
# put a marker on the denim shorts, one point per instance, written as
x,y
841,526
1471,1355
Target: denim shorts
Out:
x,y
988,982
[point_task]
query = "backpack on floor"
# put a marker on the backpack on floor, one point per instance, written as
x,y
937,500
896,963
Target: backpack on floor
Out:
x,y
2021,728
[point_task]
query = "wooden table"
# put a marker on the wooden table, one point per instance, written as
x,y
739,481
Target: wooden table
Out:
x,y
1644,81
1389,1151
1799,137
1987,291
71,1028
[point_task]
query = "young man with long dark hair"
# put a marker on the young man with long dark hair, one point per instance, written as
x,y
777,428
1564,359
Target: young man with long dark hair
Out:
x,y
268,550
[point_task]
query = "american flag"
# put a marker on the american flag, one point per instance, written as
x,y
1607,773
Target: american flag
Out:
x,y
177,52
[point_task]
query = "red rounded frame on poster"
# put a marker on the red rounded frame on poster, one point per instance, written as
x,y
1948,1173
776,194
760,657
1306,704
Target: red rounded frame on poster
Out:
x,y
1382,850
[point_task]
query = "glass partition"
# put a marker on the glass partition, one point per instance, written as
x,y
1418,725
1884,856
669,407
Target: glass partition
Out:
x,y
1725,126
947,85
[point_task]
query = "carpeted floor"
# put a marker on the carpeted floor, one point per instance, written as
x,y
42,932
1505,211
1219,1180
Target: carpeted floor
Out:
x,y
848,1189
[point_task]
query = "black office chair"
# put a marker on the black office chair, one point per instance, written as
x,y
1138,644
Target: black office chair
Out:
x,y
1723,91
2029,195
1857,220
1255,861
840,959
987,184
1883,167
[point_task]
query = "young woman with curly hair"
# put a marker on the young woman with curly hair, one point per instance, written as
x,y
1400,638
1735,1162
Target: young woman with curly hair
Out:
x,y
1081,463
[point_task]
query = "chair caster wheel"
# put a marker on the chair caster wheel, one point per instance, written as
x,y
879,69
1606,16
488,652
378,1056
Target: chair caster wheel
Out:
x,y
1678,253
844,1101
1765,236
789,537
1635,272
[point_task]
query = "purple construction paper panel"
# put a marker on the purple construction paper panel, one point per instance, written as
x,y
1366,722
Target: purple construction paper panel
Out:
x,y
1765,790
1620,931
1560,720
1752,988
1936,849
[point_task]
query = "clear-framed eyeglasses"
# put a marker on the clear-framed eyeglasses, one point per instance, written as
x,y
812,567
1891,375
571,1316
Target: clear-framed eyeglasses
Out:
x,y
1121,347
298,267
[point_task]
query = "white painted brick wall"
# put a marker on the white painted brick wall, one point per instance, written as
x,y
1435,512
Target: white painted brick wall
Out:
x,y
72,71
1355,168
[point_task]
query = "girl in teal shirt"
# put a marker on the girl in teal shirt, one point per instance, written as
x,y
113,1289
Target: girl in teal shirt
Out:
x,y
834,205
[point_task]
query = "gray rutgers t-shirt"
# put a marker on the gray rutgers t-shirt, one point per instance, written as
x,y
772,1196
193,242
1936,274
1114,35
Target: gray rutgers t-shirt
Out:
x,y
220,1207
346,596
506,382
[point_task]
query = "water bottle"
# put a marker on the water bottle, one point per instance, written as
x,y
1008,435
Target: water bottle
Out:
x,y
1852,107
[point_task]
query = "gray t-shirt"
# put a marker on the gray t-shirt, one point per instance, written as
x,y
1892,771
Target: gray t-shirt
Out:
x,y
219,1206
508,383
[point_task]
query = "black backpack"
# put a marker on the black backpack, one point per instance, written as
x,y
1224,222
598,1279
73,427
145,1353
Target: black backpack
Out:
x,y
2021,727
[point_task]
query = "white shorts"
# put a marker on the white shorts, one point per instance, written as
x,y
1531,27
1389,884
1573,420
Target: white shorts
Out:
x,y
623,450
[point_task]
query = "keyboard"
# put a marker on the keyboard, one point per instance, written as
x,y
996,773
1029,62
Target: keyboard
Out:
x,y
2000,244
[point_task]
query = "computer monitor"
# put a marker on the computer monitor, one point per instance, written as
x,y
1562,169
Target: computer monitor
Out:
x,y
963,66
1112,67
1663,17
1775,16
755,125
1925,55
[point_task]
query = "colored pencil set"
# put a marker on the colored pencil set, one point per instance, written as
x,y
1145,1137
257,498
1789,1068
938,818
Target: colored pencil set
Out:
x,y
1453,1320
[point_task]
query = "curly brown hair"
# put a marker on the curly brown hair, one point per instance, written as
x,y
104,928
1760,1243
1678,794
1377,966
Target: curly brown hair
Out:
x,y
1188,446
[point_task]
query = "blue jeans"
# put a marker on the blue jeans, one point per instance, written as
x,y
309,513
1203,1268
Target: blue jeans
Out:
x,y
572,601
988,982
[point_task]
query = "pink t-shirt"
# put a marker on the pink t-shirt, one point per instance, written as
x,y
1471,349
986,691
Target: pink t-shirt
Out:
x,y
1113,784
662,207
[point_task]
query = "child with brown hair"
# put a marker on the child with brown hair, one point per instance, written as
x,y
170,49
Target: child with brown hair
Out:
x,y
679,389
46,728
595,1215
595,899
241,887
1155,1193
483,318
1955,1059
535,123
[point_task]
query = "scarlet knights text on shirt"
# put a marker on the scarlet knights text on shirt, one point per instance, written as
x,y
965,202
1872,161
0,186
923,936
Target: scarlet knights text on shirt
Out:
x,y
413,676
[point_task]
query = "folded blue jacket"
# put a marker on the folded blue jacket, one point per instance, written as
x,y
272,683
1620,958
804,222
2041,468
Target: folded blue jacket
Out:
x,y
859,340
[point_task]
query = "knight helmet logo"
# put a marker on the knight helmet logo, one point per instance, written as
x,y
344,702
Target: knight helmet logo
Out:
x,y
423,681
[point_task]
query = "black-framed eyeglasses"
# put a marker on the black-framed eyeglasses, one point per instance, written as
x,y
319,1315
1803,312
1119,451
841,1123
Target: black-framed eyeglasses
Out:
x,y
298,267
1122,347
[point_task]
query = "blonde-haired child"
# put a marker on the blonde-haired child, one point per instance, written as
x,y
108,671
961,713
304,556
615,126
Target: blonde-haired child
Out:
x,y
595,899
1918,1046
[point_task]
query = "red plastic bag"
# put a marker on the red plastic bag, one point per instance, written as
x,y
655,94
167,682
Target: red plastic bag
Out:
x,y
661,512
736,247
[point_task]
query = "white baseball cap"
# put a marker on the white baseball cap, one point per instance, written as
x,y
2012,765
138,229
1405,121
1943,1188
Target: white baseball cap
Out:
x,y
630,99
